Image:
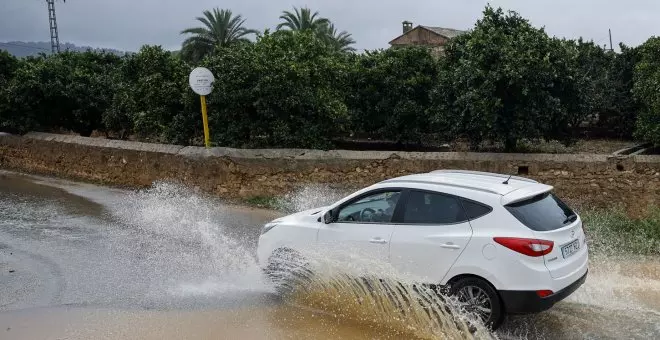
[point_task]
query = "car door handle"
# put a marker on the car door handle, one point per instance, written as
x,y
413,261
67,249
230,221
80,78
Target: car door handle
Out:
x,y
378,240
450,246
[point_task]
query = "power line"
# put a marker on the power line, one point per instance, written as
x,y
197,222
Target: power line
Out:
x,y
24,46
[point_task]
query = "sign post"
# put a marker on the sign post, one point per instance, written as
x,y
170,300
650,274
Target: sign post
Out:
x,y
201,81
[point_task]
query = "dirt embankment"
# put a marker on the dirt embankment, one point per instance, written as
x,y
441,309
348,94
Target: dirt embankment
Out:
x,y
597,180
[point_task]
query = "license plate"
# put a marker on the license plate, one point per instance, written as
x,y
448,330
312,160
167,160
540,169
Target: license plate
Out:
x,y
570,248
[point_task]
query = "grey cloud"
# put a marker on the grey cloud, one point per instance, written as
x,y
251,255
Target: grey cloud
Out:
x,y
128,24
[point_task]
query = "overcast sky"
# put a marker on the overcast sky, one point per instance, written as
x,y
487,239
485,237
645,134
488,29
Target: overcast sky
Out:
x,y
128,24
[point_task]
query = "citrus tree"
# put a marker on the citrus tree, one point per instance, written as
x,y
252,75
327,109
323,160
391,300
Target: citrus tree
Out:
x,y
647,91
504,81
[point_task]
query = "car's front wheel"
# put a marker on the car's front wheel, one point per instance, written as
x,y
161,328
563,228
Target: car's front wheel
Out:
x,y
479,298
287,268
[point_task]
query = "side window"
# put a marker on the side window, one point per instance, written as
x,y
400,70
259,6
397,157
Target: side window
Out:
x,y
374,208
475,210
432,208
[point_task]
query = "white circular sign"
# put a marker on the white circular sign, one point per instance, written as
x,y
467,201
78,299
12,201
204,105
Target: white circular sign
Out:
x,y
201,81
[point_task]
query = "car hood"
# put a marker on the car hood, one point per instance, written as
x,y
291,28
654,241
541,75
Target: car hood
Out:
x,y
306,215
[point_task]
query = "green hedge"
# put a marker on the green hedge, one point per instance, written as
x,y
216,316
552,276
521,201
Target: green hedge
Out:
x,y
67,90
389,93
503,81
647,91
285,90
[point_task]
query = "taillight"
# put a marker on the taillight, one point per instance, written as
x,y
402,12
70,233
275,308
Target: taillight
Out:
x,y
544,293
526,246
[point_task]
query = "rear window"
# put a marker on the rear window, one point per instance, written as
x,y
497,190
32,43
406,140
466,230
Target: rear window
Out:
x,y
543,212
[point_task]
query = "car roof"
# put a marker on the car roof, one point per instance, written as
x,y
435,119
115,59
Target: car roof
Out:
x,y
474,180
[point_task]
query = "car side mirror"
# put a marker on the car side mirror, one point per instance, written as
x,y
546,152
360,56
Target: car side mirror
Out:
x,y
327,217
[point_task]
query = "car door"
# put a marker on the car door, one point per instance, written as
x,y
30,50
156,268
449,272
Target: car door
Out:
x,y
361,228
433,232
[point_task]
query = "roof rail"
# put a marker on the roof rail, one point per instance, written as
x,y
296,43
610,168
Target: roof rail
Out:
x,y
482,173
400,180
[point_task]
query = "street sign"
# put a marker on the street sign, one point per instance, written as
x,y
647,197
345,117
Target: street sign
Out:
x,y
201,81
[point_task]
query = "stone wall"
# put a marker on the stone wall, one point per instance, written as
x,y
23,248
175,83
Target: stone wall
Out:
x,y
601,180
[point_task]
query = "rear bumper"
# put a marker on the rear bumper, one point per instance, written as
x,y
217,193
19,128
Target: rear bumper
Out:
x,y
526,302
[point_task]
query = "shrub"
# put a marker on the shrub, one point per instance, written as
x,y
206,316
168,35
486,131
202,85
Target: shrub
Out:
x,y
503,81
647,91
282,91
8,66
621,115
389,93
68,90
150,88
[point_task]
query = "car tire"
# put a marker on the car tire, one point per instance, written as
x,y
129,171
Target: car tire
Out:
x,y
286,269
479,289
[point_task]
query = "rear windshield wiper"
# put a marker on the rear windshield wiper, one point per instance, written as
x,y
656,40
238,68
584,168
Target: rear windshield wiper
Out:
x,y
572,217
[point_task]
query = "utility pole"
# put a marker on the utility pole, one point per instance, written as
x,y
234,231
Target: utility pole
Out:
x,y
611,47
54,38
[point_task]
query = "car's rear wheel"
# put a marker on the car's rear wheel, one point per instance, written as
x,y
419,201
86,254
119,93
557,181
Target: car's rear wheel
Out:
x,y
286,269
479,298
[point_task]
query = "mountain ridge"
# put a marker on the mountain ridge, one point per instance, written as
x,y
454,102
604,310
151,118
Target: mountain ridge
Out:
x,y
33,48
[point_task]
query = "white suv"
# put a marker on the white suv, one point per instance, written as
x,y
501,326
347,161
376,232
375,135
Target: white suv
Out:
x,y
502,244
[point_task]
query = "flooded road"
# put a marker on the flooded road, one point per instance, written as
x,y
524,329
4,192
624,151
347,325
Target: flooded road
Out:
x,y
79,261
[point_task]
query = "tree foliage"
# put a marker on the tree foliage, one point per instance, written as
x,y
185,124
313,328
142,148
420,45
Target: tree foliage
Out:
x,y
340,41
621,116
302,19
149,92
503,81
390,93
8,65
590,92
220,29
284,90
68,90
647,91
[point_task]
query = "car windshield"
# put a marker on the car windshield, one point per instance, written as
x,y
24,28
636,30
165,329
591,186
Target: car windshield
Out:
x,y
543,212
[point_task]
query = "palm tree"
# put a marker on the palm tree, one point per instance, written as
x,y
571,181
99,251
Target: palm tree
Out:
x,y
302,19
341,41
220,29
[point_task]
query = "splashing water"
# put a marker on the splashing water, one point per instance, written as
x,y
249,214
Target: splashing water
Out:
x,y
372,293
352,291
170,212
312,196
191,228
625,283
631,283
349,290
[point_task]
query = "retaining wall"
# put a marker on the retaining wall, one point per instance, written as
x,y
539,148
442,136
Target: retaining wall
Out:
x,y
601,180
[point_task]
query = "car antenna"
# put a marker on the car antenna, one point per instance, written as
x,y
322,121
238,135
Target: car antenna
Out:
x,y
507,180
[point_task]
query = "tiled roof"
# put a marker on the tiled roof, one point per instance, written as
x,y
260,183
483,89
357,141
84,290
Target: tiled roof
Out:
x,y
447,32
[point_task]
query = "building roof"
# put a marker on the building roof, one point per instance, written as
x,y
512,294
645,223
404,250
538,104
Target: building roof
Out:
x,y
475,180
446,32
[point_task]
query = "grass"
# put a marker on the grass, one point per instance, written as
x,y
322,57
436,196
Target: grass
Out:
x,y
265,202
612,232
581,146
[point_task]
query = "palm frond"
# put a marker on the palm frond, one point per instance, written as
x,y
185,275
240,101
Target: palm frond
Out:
x,y
341,41
302,19
219,28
